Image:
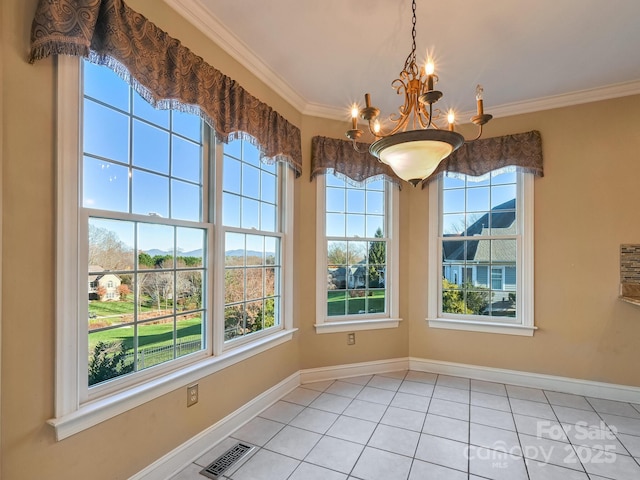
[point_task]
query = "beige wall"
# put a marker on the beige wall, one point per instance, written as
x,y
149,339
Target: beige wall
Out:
x,y
585,207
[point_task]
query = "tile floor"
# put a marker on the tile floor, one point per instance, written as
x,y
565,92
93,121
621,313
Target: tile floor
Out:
x,y
419,426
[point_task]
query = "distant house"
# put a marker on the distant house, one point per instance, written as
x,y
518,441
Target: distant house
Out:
x,y
351,277
484,264
108,281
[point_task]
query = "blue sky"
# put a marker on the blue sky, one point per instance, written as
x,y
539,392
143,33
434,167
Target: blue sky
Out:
x,y
149,162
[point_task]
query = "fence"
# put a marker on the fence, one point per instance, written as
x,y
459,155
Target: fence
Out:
x,y
147,357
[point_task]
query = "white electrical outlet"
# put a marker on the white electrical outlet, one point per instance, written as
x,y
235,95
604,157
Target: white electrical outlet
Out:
x,y
351,338
192,395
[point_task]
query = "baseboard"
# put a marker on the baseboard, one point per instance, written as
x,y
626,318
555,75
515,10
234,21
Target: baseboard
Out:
x,y
176,460
335,372
609,391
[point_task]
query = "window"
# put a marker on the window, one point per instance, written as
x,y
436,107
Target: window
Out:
x,y
357,255
151,185
481,252
252,224
144,205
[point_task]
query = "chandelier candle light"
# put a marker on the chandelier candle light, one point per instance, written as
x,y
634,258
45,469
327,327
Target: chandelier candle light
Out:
x,y
415,153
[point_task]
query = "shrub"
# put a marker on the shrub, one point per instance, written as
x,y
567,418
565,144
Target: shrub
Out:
x,y
108,361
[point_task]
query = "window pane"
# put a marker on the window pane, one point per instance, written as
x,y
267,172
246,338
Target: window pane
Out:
x,y
453,251
230,210
186,159
250,181
189,335
337,303
478,199
189,287
336,200
452,182
231,175
503,197
157,241
185,201
233,285
503,223
375,226
355,226
187,124
268,192
141,108
453,201
105,132
103,84
375,202
156,294
250,216
190,245
150,147
503,251
150,194
234,248
111,245
453,224
250,153
268,217
335,225
355,201
105,185
272,251
255,249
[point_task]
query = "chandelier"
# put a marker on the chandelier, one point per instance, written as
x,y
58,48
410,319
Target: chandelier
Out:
x,y
415,144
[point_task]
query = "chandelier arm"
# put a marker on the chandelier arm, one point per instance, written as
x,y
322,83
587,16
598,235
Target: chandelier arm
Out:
x,y
476,137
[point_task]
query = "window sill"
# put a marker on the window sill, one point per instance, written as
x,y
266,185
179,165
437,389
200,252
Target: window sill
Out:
x,y
357,325
97,411
484,327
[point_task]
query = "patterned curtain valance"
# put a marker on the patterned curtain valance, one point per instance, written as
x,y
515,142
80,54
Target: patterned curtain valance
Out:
x,y
521,150
162,70
331,155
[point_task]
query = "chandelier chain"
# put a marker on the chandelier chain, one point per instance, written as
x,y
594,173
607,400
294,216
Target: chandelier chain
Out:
x,y
412,56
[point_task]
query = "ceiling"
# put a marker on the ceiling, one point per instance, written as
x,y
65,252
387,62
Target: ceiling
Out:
x,y
324,55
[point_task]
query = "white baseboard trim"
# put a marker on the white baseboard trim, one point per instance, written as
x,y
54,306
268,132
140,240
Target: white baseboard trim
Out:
x,y
176,460
609,391
335,372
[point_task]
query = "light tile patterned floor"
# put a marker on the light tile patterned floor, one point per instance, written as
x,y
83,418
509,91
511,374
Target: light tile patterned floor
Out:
x,y
421,426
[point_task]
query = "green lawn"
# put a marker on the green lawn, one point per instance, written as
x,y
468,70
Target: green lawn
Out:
x,y
110,308
338,302
149,335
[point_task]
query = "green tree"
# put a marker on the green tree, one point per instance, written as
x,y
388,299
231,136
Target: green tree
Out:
x,y
144,259
457,299
377,261
107,361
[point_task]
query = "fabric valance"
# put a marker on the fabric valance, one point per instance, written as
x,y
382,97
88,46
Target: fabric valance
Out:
x,y
521,150
162,70
331,155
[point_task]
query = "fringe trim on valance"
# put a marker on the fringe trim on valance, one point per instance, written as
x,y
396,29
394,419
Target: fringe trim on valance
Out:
x,y
336,156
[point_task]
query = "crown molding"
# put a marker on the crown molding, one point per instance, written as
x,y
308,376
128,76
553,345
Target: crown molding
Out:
x,y
199,16
214,29
566,99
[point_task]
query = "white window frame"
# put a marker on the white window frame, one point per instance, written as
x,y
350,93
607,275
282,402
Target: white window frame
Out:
x,y
524,322
73,411
351,323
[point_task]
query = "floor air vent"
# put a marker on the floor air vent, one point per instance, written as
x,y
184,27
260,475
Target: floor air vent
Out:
x,y
226,460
